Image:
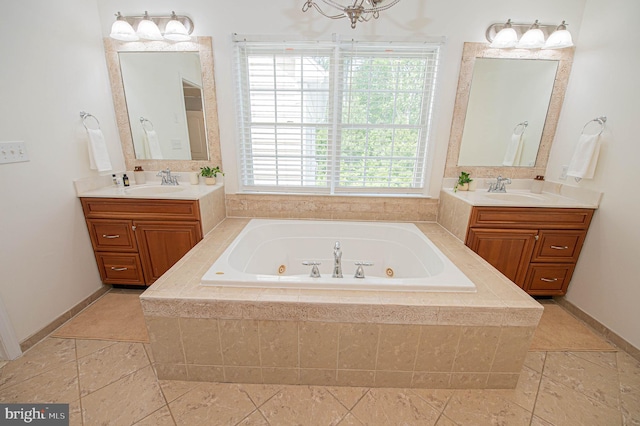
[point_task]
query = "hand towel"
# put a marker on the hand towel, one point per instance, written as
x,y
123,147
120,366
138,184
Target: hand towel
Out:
x,y
514,151
98,155
585,157
154,144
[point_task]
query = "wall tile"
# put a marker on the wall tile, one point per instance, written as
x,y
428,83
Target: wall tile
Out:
x,y
318,377
279,343
357,346
437,348
355,378
201,341
398,347
242,374
240,342
393,379
318,343
476,349
285,376
469,380
512,349
431,380
171,371
205,373
165,339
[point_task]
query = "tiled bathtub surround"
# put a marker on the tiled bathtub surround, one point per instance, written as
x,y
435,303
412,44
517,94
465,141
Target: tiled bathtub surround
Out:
x,y
399,209
351,338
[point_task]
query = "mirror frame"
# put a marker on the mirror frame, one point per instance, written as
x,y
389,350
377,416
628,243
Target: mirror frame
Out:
x,y
470,52
202,45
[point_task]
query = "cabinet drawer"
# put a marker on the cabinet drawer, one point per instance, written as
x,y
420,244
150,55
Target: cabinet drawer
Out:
x,y
120,208
526,217
548,279
120,268
558,246
112,235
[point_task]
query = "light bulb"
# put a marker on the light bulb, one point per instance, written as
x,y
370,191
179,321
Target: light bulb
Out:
x,y
175,30
122,30
147,29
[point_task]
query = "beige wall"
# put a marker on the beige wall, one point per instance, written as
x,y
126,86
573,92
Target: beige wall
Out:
x,y
604,82
53,67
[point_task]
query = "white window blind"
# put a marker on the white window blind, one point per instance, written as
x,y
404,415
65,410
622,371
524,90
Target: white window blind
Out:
x,y
334,117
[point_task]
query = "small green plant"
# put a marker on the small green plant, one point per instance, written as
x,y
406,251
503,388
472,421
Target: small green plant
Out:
x,y
463,179
210,172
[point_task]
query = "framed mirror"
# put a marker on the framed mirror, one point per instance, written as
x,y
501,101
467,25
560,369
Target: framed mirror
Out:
x,y
506,111
165,103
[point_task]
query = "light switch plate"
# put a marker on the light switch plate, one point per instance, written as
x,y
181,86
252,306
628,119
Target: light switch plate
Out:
x,y
13,152
563,174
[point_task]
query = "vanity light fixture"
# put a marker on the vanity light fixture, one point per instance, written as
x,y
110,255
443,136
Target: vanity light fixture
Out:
x,y
532,39
356,10
506,37
170,27
122,30
560,38
528,36
147,29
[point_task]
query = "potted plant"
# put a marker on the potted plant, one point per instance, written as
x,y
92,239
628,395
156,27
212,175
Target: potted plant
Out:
x,y
210,173
463,182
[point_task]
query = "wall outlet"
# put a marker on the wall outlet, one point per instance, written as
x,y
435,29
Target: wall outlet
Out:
x,y
13,152
563,175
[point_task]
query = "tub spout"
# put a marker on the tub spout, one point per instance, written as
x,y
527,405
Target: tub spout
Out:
x,y
337,261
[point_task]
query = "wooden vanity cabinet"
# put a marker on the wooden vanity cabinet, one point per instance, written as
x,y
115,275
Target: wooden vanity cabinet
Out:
x,y
536,248
135,241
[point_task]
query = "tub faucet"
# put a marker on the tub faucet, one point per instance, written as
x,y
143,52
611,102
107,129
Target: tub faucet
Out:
x,y
168,178
337,261
498,186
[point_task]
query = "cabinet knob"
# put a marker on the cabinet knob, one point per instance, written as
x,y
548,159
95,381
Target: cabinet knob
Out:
x,y
110,236
133,227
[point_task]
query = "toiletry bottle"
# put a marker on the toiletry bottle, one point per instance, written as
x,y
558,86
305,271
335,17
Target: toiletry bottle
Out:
x,y
537,184
118,181
139,175
115,180
125,179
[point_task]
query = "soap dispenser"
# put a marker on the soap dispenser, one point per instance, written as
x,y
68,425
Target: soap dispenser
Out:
x,y
125,179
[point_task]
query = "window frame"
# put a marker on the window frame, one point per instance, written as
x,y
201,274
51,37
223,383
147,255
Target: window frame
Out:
x,y
429,50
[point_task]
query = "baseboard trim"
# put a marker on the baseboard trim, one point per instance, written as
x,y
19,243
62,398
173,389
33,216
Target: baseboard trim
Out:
x,y
53,325
598,327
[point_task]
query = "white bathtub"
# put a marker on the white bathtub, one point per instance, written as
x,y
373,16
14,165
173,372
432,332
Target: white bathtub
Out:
x,y
270,253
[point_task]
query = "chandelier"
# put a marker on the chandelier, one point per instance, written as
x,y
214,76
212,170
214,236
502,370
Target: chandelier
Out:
x,y
358,11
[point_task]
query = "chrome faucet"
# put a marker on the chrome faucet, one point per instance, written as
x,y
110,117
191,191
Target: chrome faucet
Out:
x,y
168,178
498,186
337,261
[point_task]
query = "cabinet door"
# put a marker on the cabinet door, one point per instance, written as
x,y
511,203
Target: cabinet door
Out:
x,y
508,250
162,244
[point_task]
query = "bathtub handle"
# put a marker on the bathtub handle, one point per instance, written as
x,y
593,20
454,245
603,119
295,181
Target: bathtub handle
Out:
x,y
315,273
360,270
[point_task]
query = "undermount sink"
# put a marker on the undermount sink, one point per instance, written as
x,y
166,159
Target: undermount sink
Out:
x,y
153,190
509,196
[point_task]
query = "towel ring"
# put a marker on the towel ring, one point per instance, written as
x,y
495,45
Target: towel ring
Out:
x,y
524,125
143,121
600,120
85,116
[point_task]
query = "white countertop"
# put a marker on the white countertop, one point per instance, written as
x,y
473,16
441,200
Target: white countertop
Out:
x,y
152,191
521,198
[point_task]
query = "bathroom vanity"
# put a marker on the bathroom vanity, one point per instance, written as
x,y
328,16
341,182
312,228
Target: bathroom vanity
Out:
x,y
139,233
533,239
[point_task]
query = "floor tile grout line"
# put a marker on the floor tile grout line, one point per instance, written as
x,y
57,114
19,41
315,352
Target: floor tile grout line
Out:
x,y
535,401
75,348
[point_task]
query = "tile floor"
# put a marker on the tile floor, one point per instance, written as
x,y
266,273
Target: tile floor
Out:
x,y
113,383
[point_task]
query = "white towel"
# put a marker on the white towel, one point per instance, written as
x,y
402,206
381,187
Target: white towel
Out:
x,y
98,155
585,157
514,151
154,144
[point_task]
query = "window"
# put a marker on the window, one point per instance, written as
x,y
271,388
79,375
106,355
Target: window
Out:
x,y
333,117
